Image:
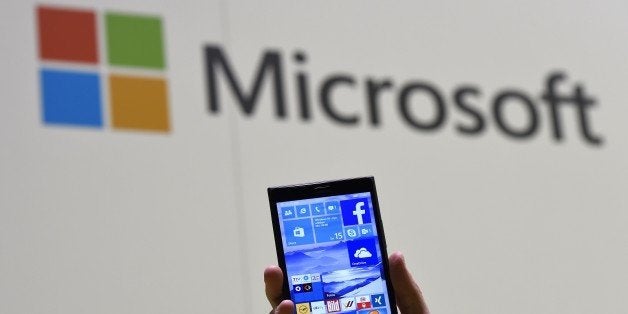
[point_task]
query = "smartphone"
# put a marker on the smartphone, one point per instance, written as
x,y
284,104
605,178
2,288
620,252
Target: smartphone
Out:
x,y
331,247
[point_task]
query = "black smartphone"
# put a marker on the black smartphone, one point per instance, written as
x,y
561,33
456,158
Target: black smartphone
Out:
x,y
331,247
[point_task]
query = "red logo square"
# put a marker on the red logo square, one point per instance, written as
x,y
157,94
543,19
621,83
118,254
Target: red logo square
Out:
x,y
67,35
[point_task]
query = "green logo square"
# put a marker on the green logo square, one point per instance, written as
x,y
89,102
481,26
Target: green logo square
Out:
x,y
134,40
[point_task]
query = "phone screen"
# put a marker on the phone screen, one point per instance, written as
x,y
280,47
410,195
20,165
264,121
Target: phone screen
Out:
x,y
332,254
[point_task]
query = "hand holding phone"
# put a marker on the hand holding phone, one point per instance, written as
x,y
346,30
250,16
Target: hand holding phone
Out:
x,y
409,297
330,243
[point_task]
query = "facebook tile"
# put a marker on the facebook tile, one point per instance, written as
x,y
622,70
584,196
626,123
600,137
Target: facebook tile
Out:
x,y
378,300
332,208
317,209
298,232
355,211
366,230
352,233
362,252
328,228
288,212
303,210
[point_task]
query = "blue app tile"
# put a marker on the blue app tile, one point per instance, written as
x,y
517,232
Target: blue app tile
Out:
x,y
328,228
378,300
366,230
302,288
298,232
332,208
352,233
288,212
314,294
303,210
71,98
355,211
362,252
317,209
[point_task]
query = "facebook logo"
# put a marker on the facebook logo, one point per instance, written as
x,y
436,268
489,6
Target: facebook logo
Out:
x,y
355,211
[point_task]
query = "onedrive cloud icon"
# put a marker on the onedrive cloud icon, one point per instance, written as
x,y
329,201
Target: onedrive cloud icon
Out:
x,y
362,253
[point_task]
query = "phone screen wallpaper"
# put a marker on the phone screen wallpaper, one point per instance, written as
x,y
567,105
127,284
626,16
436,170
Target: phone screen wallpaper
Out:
x,y
332,252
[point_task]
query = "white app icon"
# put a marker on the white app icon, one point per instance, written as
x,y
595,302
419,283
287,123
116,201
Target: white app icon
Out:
x,y
352,233
297,280
377,301
347,304
359,211
301,279
362,253
318,307
299,232
315,277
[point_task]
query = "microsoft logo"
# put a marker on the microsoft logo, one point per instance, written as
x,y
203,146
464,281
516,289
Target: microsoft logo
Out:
x,y
74,74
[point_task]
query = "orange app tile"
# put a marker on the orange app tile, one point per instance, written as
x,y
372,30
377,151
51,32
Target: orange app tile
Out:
x,y
139,103
67,35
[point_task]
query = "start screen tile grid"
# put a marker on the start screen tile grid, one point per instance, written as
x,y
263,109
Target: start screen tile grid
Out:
x,y
332,255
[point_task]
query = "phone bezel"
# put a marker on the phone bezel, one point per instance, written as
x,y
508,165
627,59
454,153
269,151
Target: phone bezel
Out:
x,y
321,189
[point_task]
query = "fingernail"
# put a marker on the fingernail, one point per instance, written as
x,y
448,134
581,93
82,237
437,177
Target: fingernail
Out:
x,y
403,258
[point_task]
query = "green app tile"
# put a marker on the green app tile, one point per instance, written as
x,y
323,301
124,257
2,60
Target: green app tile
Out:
x,y
134,40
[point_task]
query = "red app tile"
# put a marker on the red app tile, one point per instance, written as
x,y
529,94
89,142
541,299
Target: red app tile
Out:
x,y
67,35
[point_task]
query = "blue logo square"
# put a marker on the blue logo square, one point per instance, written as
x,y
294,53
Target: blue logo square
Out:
x,y
303,210
298,232
355,211
71,98
288,212
378,300
317,209
362,252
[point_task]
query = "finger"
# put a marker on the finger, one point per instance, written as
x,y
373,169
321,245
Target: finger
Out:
x,y
285,307
407,292
273,278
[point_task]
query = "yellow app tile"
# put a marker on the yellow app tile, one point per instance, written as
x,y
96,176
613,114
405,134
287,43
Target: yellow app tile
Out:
x,y
303,308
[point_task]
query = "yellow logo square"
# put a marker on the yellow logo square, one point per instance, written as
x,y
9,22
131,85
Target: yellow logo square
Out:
x,y
139,103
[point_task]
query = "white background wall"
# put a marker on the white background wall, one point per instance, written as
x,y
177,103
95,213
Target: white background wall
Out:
x,y
128,222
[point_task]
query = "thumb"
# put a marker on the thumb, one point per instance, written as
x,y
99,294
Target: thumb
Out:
x,y
285,307
407,292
